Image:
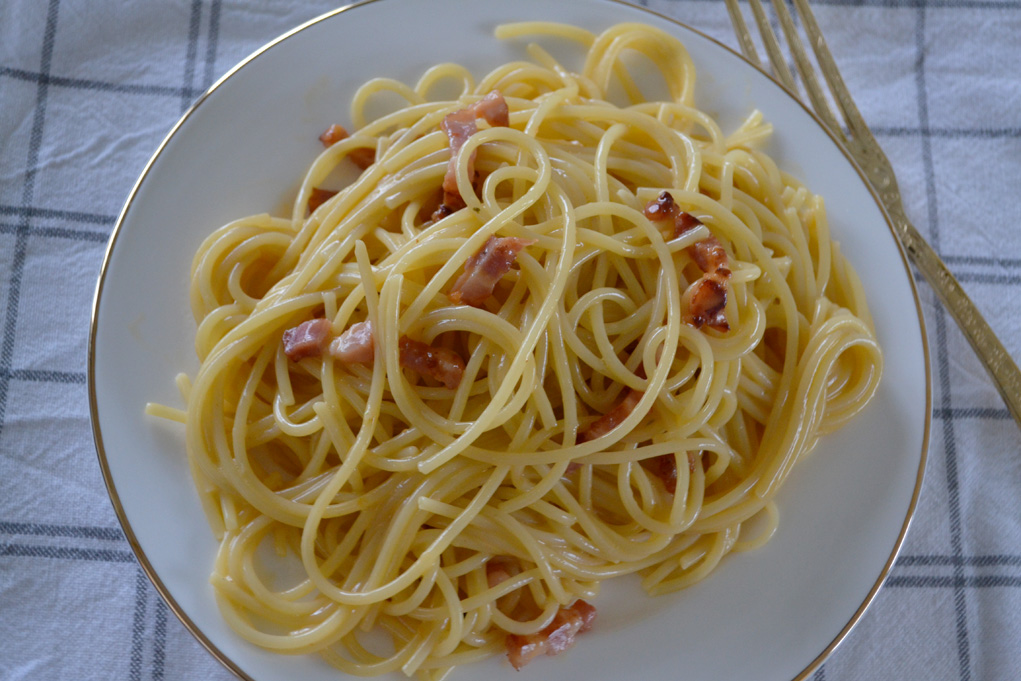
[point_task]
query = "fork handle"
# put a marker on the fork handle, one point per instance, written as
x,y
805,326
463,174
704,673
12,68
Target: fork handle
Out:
x,y
994,357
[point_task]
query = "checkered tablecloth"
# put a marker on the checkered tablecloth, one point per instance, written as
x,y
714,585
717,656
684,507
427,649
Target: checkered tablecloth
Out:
x,y
88,88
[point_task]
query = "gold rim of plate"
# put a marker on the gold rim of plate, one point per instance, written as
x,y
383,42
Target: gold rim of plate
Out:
x,y
97,435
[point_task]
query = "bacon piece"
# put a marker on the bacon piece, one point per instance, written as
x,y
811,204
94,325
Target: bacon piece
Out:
x,y
708,295
555,638
493,107
613,418
318,197
484,269
333,134
356,345
362,157
459,126
500,569
446,366
307,339
442,211
663,208
710,257
707,302
685,222
664,467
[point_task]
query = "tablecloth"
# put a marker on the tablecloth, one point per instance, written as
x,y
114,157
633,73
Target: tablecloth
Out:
x,y
89,88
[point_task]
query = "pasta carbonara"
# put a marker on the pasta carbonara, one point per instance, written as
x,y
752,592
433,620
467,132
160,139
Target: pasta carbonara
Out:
x,y
553,331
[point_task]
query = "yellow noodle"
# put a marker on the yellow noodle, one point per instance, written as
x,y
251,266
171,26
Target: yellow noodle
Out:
x,y
389,493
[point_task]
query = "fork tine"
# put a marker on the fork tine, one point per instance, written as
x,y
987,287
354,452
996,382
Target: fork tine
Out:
x,y
776,58
806,70
842,96
743,36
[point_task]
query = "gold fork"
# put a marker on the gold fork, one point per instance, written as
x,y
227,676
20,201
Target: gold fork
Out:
x,y
859,141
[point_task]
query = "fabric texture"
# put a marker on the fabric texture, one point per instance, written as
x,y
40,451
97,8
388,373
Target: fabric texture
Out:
x,y
88,90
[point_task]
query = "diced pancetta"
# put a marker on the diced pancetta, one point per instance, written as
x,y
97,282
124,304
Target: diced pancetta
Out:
x,y
484,269
459,126
613,418
307,339
707,297
442,364
685,222
361,157
555,638
442,211
318,197
664,467
663,208
356,345
493,108
333,134
710,257
500,569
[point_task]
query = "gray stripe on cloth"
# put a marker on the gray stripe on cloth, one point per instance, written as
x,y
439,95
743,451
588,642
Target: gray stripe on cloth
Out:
x,y
75,531
192,53
138,625
27,195
942,361
66,553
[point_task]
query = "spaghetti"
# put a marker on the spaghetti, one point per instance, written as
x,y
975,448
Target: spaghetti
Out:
x,y
518,355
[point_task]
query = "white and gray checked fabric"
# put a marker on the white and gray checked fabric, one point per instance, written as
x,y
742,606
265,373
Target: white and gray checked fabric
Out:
x,y
88,88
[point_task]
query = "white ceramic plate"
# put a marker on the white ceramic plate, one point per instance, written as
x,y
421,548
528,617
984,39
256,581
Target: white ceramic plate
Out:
x,y
772,614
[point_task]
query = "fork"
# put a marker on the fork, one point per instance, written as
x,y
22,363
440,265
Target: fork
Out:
x,y
856,137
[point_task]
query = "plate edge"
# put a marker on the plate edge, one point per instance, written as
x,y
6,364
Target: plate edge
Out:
x,y
132,540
